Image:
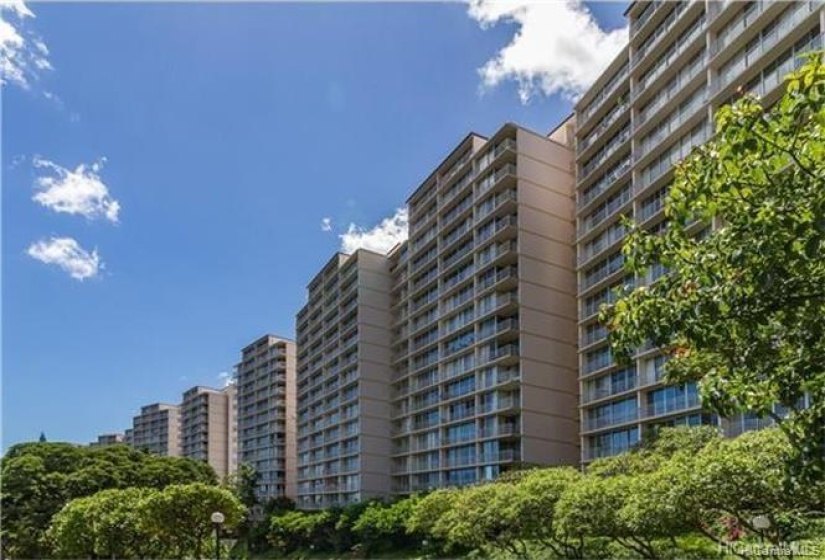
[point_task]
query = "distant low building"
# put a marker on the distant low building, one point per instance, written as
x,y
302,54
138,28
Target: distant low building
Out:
x,y
108,439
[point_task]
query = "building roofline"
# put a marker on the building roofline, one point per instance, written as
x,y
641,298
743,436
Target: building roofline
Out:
x,y
605,75
261,338
444,160
559,126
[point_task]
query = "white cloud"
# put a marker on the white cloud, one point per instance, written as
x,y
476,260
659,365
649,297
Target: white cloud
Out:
x,y
559,46
326,224
67,254
226,378
381,238
75,192
22,53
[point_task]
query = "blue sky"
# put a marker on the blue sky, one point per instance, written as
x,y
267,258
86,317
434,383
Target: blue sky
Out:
x,y
229,133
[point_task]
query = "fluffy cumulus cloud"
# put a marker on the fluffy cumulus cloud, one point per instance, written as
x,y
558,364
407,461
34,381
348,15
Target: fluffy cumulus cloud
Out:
x,y
23,55
67,254
381,238
79,192
326,224
558,48
226,379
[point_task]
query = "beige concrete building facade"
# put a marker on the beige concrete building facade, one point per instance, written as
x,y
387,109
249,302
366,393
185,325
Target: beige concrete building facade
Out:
x,y
108,439
265,380
452,358
343,383
206,427
646,112
484,313
157,429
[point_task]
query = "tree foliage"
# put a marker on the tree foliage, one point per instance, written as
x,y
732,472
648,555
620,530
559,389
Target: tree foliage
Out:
x,y
104,525
142,522
40,478
740,310
179,516
681,494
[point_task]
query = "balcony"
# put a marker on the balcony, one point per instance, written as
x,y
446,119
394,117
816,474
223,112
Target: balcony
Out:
x,y
670,91
493,179
501,404
614,145
604,124
681,45
608,421
502,375
599,452
504,430
670,406
502,275
745,20
606,92
604,240
790,20
650,8
503,456
418,467
675,120
460,461
492,204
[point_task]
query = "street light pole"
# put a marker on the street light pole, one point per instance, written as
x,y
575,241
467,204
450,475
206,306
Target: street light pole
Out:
x,y
217,520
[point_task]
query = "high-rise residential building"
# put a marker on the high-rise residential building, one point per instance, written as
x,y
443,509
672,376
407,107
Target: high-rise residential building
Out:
x,y
343,382
653,104
265,385
484,313
453,357
157,429
207,432
108,439
231,392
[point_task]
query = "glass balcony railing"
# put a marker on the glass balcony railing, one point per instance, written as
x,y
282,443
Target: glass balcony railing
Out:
x,y
606,91
607,421
788,21
679,46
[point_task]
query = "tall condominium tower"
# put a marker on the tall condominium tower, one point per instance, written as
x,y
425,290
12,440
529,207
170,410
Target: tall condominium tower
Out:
x,y
653,104
484,314
343,382
265,381
157,429
206,427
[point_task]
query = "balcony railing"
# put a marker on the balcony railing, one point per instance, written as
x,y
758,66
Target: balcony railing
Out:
x,y
790,20
610,420
669,406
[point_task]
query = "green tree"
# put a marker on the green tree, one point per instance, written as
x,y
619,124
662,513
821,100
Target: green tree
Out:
x,y
747,477
382,527
105,525
243,484
427,514
40,478
590,509
530,511
180,516
295,530
477,519
741,308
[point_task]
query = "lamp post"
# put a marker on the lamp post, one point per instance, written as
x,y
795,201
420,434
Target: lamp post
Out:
x,y
761,523
217,520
